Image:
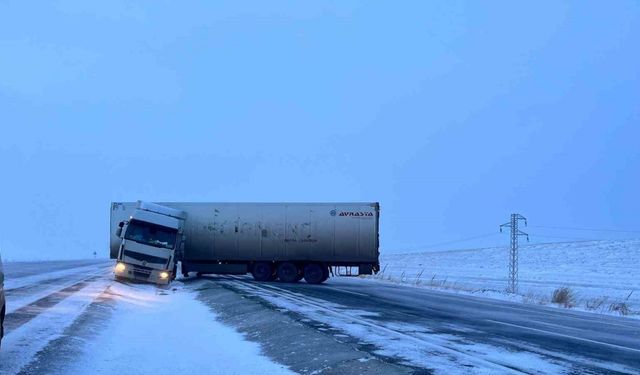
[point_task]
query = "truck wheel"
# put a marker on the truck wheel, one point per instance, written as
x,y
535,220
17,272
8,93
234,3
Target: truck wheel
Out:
x,y
325,273
288,272
262,271
313,273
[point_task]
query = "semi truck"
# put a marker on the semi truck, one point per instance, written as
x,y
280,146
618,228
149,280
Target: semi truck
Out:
x,y
271,241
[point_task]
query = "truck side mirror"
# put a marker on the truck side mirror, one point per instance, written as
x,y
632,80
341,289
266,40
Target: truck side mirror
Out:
x,y
119,230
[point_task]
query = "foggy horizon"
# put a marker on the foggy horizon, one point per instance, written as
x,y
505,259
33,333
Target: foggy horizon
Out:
x,y
451,115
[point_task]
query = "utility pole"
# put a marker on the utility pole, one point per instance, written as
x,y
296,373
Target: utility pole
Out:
x,y
513,250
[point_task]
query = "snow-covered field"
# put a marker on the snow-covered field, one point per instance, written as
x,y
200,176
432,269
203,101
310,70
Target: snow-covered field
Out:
x,y
603,276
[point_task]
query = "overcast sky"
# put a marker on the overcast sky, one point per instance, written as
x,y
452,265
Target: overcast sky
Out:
x,y
451,114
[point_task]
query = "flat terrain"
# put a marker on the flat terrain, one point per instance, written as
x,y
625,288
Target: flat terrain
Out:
x,y
68,320
599,273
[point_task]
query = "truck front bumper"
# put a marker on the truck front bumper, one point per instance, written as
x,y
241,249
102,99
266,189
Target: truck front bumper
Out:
x,y
141,273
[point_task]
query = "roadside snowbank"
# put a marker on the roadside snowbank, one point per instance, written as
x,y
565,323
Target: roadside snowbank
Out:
x,y
603,276
159,331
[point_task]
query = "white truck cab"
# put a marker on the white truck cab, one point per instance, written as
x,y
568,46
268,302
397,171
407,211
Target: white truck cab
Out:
x,y
149,241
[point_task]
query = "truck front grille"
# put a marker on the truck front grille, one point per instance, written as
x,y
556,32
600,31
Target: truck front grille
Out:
x,y
142,272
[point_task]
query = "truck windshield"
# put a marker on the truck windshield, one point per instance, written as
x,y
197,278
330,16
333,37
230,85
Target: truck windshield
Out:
x,y
151,234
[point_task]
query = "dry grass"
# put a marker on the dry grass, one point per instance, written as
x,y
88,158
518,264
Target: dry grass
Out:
x,y
563,296
596,303
620,307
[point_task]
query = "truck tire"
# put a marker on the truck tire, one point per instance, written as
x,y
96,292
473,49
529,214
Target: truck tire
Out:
x,y
313,273
288,272
262,271
325,273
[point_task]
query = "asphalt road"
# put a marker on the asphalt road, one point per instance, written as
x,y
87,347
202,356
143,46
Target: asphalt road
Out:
x,y
574,341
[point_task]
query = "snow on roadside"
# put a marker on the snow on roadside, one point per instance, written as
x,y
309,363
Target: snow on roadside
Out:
x,y
601,274
159,331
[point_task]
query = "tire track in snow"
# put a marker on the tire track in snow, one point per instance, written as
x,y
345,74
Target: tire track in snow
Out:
x,y
25,314
65,349
444,349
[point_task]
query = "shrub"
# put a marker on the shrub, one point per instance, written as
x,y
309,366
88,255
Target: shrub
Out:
x,y
596,303
620,307
563,296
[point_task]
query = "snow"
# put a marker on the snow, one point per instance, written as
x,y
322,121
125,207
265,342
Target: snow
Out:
x,y
415,344
19,282
599,273
168,332
47,283
22,344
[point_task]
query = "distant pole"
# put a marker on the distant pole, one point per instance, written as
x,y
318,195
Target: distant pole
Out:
x,y
513,249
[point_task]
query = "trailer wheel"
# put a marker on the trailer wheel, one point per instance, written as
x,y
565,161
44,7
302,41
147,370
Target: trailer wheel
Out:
x,y
288,272
313,273
262,271
325,273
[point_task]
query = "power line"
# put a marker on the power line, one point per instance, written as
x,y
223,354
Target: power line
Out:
x,y
585,229
565,238
461,240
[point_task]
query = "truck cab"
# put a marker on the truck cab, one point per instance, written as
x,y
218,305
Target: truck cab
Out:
x,y
149,242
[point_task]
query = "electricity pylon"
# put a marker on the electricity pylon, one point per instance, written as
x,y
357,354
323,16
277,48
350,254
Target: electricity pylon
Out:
x,y
513,251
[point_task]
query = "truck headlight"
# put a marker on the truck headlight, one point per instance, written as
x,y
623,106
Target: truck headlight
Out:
x,y
164,275
120,267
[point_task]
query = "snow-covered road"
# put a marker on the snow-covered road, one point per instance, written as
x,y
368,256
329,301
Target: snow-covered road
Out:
x,y
77,320
451,333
